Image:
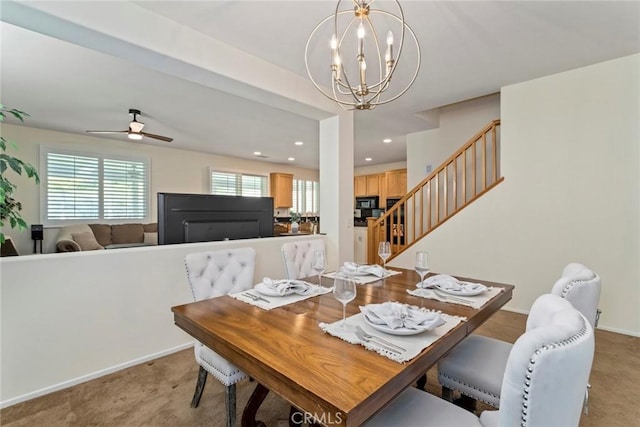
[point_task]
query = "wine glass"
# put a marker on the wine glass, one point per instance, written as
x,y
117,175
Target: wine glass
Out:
x,y
422,265
319,264
344,290
384,252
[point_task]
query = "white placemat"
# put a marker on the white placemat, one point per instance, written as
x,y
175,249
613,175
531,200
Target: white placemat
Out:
x,y
413,344
269,302
476,301
369,278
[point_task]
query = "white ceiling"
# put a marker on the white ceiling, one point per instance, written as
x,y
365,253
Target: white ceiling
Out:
x,y
469,49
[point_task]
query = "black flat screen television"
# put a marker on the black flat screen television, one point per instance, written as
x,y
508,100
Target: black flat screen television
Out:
x,y
189,218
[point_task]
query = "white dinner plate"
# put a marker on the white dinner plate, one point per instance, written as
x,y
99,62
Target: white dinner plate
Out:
x,y
462,292
389,330
267,291
362,273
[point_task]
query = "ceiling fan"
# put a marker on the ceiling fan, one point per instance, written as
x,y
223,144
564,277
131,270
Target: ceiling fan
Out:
x,y
135,129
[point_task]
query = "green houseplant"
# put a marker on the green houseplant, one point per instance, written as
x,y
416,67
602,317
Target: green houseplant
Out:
x,y
295,219
9,207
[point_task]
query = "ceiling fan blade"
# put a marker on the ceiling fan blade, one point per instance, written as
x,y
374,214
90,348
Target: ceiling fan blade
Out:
x,y
107,131
160,137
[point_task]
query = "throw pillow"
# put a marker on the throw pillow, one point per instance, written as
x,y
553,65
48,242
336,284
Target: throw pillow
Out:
x,y
87,241
150,238
102,233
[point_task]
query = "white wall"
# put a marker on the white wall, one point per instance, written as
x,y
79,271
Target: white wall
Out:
x,y
458,123
172,171
571,161
71,317
373,169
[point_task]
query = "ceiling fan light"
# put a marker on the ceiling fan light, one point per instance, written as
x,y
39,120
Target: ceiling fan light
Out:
x,y
135,136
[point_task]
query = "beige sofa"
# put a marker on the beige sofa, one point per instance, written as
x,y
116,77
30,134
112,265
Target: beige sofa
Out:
x,y
87,237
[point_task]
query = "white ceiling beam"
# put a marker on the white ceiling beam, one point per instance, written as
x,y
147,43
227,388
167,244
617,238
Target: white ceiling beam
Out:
x,y
128,31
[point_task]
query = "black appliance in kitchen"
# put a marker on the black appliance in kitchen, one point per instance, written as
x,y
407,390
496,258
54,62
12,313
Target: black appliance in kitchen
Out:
x,y
370,202
396,235
365,207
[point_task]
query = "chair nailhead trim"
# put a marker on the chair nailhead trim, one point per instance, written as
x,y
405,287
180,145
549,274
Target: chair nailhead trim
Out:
x,y
556,345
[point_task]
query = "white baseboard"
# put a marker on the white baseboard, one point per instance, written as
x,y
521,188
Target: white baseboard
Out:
x,y
619,331
600,326
516,310
92,376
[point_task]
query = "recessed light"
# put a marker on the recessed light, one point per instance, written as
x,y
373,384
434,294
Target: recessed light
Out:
x,y
291,159
257,153
386,140
367,159
299,143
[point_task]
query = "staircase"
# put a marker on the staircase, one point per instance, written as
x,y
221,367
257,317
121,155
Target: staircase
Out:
x,y
470,172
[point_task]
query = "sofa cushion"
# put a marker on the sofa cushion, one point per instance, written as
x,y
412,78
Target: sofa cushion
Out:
x,y
102,233
151,228
86,241
127,233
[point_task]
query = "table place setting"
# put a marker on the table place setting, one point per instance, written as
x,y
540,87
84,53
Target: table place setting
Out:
x,y
445,288
395,330
270,293
363,274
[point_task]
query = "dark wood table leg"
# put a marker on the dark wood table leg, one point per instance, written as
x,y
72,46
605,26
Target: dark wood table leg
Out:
x,y
249,413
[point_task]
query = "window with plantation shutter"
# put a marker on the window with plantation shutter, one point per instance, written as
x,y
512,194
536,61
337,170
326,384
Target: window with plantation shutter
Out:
x,y
238,184
73,187
306,197
81,187
125,189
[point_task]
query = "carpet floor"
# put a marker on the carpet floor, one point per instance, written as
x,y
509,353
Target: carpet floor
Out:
x,y
158,393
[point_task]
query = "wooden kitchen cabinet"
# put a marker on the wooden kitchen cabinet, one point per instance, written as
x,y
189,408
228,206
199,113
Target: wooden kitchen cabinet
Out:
x,y
373,185
396,183
281,189
366,185
360,185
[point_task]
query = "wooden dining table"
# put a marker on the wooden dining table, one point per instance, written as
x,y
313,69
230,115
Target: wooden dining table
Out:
x,y
287,353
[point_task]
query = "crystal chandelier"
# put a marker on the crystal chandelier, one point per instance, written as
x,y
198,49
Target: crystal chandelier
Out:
x,y
361,68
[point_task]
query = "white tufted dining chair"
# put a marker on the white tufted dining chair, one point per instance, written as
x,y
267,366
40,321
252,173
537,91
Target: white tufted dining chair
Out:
x,y
213,274
476,366
298,256
543,385
581,287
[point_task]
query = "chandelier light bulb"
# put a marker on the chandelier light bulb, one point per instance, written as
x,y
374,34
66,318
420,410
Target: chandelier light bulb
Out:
x,y
361,30
333,43
389,38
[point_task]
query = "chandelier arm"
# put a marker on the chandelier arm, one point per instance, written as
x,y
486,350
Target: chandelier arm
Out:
x,y
400,19
344,73
306,62
415,75
377,43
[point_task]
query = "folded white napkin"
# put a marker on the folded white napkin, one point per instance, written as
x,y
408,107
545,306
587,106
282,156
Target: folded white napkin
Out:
x,y
450,283
353,268
287,286
397,315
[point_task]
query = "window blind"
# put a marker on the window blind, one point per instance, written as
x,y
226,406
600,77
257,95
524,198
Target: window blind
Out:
x,y
238,184
86,187
125,189
306,197
73,187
